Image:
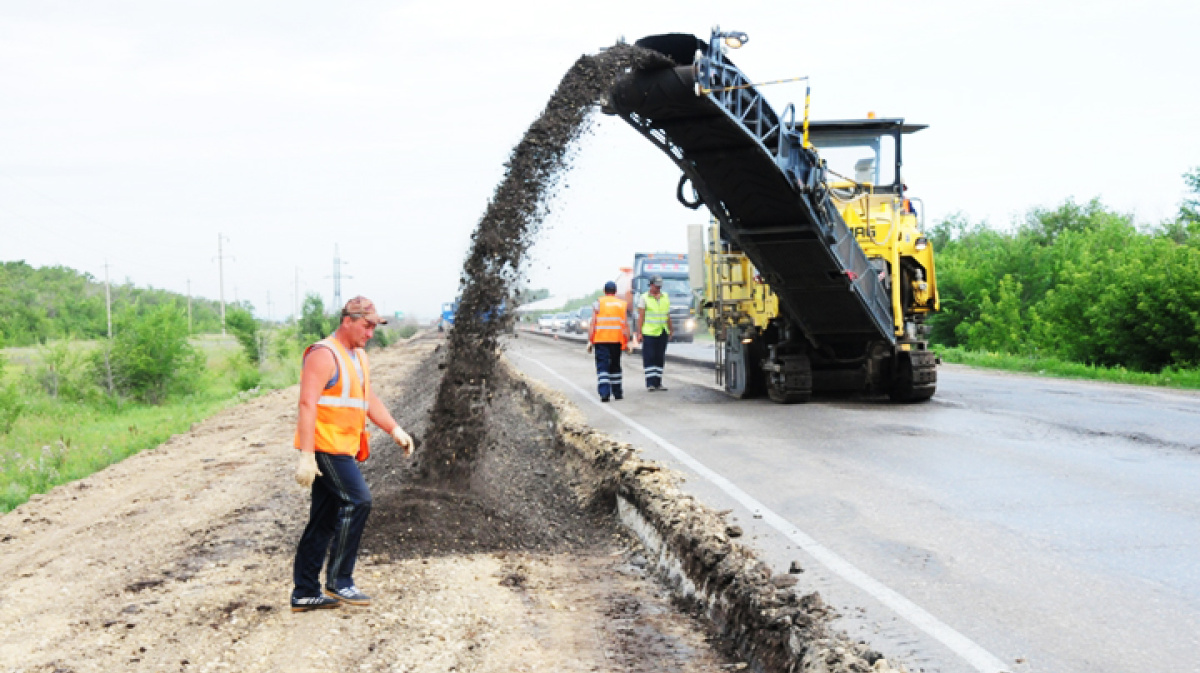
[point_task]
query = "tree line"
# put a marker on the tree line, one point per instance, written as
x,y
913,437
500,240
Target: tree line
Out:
x,y
151,356
54,302
1080,282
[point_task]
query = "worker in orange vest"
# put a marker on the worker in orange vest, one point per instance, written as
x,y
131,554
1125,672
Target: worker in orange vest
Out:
x,y
608,336
331,433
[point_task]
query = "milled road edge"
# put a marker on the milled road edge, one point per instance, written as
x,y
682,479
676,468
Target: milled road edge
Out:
x,y
767,623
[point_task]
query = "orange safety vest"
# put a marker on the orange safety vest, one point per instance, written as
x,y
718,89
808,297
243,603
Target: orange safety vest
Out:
x,y
342,407
608,323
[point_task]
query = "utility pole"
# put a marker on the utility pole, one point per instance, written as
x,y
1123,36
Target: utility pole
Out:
x,y
189,285
337,278
107,300
221,272
296,298
108,373
268,305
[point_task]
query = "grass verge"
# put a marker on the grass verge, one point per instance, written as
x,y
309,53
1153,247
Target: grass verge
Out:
x,y
55,440
1049,366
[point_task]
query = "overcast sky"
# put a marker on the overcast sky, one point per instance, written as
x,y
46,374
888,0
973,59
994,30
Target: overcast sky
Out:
x,y
136,133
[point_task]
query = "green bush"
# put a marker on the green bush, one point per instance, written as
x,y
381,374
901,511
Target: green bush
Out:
x,y
244,328
11,404
314,325
64,371
149,357
285,345
382,339
1079,282
248,378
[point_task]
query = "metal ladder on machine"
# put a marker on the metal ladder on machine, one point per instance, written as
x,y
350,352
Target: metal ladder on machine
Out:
x,y
726,311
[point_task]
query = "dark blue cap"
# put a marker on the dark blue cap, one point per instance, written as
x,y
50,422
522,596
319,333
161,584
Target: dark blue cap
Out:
x,y
610,287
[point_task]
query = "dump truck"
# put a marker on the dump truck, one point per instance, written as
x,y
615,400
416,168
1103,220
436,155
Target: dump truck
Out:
x,y
816,274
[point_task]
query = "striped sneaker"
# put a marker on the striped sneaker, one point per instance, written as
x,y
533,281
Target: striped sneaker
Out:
x,y
306,603
349,594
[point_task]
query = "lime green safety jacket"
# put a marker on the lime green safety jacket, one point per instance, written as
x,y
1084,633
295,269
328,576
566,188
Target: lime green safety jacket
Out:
x,y
658,312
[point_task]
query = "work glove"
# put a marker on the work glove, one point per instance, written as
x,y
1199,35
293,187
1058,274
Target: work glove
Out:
x,y
306,469
403,440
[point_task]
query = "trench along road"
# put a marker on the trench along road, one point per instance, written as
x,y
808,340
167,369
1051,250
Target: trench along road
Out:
x,y
1012,523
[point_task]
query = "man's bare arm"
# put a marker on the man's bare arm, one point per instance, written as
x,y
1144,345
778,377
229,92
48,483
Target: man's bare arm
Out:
x,y
378,412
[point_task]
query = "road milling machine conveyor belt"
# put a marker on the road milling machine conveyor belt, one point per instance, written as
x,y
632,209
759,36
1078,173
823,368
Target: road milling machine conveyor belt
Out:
x,y
834,327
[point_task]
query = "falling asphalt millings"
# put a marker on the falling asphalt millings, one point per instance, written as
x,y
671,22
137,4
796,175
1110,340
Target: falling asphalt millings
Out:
x,y
510,225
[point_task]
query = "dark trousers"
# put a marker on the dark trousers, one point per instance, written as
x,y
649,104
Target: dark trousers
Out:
x,y
341,503
654,356
608,370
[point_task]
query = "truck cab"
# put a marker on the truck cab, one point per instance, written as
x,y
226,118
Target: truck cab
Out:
x,y
673,268
449,308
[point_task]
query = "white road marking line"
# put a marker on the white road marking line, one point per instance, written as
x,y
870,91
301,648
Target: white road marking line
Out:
x,y
979,658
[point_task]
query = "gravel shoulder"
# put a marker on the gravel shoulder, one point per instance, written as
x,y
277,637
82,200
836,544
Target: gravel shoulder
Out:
x,y
179,559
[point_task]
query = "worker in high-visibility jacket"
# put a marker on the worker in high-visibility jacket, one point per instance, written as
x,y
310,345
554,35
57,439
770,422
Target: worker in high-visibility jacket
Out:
x,y
331,433
654,331
608,336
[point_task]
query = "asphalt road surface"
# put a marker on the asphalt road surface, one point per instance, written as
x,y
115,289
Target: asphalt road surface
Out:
x,y
1012,523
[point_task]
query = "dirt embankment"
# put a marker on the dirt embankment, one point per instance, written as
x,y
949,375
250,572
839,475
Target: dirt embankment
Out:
x,y
179,559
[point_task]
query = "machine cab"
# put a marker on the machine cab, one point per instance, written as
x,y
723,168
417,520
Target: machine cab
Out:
x,y
862,159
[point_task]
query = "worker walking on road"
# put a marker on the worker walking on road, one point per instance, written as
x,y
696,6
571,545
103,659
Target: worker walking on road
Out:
x,y
609,335
331,433
654,331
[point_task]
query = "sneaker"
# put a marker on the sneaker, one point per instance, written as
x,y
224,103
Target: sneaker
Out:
x,y
313,603
651,389
618,397
661,389
349,594
604,399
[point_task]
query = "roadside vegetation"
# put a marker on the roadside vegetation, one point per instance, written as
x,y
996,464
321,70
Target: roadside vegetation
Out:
x,y
73,401
1079,291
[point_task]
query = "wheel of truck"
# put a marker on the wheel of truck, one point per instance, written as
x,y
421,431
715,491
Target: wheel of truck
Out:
x,y
793,384
914,377
743,370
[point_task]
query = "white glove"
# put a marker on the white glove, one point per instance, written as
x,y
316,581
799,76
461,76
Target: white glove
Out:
x,y
403,440
306,469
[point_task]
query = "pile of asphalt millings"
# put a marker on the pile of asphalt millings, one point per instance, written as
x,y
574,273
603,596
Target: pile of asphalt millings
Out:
x,y
493,268
520,496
